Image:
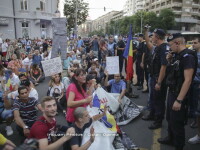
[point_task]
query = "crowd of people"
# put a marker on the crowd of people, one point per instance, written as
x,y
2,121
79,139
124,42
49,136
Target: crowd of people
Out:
x,y
165,69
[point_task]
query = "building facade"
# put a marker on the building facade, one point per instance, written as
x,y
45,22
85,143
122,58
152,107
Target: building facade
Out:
x,y
101,22
27,18
133,6
187,12
85,28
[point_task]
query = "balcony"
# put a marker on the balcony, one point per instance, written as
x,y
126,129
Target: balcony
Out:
x,y
43,15
186,20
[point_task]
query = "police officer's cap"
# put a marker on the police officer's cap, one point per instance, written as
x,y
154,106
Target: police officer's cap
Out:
x,y
141,35
160,32
174,36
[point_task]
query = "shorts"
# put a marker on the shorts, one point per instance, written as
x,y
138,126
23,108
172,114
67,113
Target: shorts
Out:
x,y
6,114
4,53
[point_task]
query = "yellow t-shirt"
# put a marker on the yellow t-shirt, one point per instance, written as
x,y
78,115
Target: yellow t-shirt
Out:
x,y
2,139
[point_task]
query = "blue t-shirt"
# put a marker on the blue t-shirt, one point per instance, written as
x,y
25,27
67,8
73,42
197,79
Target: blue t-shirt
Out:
x,y
80,43
197,76
117,87
66,62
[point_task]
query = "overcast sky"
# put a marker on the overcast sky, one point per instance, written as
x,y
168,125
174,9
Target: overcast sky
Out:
x,y
96,7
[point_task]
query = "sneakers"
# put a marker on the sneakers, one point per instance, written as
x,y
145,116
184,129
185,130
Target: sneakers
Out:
x,y
194,140
9,130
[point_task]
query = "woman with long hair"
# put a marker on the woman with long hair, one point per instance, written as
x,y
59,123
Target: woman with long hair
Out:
x,y
15,64
56,90
76,94
36,75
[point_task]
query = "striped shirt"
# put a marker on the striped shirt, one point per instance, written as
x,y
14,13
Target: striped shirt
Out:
x,y
28,111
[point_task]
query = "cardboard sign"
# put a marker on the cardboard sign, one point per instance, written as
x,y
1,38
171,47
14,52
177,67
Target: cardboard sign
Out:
x,y
112,65
52,66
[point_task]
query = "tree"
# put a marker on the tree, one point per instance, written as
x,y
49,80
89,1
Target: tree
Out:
x,y
166,19
70,9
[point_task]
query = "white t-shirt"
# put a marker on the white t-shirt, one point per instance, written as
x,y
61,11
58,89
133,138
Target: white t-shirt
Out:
x,y
33,93
27,62
14,80
55,87
4,47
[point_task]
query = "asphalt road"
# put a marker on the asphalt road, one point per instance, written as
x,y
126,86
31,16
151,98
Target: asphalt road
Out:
x,y
137,129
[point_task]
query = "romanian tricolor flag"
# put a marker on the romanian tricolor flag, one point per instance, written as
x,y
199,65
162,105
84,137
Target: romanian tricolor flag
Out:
x,y
128,54
108,120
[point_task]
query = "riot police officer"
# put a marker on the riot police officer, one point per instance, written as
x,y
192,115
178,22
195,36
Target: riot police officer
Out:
x,y
181,72
157,82
139,70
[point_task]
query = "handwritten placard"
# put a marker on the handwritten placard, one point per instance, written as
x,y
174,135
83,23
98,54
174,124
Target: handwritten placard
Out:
x,y
52,66
112,65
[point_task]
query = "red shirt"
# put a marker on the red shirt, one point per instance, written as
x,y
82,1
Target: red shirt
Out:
x,y
78,97
42,129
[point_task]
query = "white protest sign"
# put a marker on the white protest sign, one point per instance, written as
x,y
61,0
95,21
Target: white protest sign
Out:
x,y
112,65
52,66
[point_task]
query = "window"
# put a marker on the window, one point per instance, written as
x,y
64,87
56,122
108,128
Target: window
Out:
x,y
43,31
25,30
42,5
24,5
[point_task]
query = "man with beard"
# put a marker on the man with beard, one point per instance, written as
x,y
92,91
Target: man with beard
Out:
x,y
45,129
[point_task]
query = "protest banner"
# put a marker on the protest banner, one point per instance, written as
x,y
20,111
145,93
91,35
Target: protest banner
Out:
x,y
52,66
112,65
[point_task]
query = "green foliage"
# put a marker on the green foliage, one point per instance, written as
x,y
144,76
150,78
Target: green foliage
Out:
x,y
99,32
69,12
166,21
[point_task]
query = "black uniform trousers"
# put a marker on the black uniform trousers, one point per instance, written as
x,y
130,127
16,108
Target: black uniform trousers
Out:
x,y
158,100
140,73
176,121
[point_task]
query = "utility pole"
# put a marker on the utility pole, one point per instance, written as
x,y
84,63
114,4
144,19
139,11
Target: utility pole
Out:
x,y
75,28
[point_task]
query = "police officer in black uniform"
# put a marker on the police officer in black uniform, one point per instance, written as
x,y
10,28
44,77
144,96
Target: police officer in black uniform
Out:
x,y
139,70
181,72
157,82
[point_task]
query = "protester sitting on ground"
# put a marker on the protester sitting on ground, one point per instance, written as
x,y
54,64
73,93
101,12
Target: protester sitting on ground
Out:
x,y
117,85
26,63
45,56
56,90
8,145
76,94
45,128
67,61
6,112
36,74
22,77
14,80
94,68
25,112
15,64
94,74
83,121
